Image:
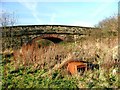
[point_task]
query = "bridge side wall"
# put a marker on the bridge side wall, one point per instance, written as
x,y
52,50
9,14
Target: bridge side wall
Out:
x,y
14,37
17,42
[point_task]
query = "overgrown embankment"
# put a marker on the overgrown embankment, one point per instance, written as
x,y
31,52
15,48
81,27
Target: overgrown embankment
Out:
x,y
29,64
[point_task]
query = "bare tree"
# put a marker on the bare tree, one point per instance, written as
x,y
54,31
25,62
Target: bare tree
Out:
x,y
109,24
7,19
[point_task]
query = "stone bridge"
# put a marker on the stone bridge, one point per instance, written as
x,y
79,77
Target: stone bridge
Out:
x,y
16,36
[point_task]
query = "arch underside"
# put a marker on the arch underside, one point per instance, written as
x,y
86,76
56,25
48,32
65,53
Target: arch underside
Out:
x,y
54,38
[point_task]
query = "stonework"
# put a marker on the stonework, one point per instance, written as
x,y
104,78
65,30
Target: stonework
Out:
x,y
15,36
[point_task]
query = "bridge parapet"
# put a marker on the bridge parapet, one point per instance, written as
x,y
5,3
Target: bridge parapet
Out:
x,y
49,29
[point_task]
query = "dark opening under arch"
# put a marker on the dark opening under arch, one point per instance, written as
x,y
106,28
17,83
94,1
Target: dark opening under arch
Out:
x,y
53,39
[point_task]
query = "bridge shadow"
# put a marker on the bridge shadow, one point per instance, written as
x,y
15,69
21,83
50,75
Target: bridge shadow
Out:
x,y
43,42
54,40
46,39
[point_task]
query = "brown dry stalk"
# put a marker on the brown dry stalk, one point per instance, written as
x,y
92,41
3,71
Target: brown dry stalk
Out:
x,y
58,66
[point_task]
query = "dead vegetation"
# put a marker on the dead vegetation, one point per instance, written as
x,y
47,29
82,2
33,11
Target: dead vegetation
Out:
x,y
98,51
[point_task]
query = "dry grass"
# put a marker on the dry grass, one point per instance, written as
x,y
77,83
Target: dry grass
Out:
x,y
32,62
99,51
39,58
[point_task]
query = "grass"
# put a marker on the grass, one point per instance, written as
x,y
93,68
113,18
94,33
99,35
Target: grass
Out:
x,y
25,70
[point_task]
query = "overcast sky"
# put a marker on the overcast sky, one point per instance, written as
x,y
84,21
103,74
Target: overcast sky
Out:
x,y
60,12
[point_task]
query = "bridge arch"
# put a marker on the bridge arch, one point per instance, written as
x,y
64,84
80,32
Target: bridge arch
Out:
x,y
51,37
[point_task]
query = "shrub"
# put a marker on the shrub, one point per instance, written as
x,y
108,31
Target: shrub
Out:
x,y
109,24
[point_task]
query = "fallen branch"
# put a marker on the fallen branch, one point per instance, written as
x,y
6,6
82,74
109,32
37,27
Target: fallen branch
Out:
x,y
58,66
